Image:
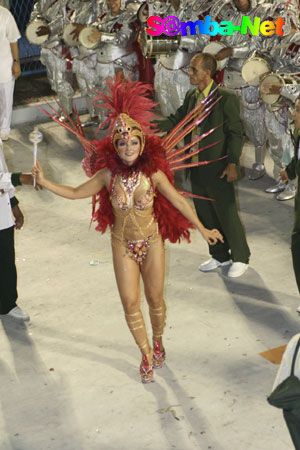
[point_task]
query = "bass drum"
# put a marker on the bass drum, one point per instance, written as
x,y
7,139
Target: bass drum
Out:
x,y
31,30
277,80
254,67
213,48
175,60
133,6
157,45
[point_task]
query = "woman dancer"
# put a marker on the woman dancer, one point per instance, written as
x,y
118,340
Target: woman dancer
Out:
x,y
131,181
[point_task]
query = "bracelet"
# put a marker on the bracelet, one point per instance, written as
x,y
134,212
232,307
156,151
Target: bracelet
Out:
x,y
16,60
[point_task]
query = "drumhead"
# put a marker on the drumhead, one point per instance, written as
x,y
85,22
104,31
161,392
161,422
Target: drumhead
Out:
x,y
67,37
253,68
213,48
31,30
175,60
270,99
84,38
133,6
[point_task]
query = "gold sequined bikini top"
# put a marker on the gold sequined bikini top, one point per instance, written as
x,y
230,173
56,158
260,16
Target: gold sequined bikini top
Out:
x,y
131,191
132,203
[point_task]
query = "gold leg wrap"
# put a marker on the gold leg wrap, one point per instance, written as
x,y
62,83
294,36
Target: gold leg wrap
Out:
x,y
137,327
158,320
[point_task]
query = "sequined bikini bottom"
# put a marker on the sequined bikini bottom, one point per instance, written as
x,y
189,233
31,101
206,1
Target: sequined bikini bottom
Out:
x,y
135,249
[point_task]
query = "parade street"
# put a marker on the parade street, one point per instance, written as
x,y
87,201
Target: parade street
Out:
x,y
69,378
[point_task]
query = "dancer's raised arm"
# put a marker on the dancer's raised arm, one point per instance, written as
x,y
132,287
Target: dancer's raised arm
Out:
x,y
163,185
84,190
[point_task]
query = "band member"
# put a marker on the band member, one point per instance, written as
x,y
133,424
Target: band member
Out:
x,y
55,55
171,71
84,58
284,59
216,181
239,48
115,32
10,68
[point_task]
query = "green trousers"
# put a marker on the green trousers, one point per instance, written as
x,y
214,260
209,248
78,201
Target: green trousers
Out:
x,y
223,215
293,424
296,255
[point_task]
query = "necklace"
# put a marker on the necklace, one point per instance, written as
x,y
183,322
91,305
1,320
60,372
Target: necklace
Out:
x,y
130,182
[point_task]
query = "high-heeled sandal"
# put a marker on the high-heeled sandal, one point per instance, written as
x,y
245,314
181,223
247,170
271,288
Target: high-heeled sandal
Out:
x,y
159,356
146,370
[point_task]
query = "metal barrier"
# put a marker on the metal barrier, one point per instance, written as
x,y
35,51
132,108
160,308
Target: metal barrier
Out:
x,y
29,53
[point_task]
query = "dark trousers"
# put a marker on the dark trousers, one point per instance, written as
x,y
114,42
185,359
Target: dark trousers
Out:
x,y
293,424
296,254
223,215
8,272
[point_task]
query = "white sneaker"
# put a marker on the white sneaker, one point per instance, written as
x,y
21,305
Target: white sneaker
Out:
x,y
212,264
17,313
4,137
237,269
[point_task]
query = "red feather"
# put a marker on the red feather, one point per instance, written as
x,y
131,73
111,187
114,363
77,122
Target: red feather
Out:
x,y
130,97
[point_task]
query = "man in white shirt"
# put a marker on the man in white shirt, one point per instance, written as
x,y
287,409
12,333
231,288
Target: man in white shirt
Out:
x,y
10,68
9,208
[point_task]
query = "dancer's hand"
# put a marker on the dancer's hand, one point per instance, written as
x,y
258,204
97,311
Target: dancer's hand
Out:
x,y
212,236
37,172
283,175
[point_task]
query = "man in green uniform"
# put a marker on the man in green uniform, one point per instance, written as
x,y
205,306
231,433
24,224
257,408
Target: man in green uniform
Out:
x,y
289,173
215,180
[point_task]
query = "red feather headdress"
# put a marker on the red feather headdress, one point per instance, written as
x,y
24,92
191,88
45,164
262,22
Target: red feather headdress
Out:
x,y
132,98
124,96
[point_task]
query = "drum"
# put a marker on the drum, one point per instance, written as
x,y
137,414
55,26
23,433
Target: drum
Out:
x,y
213,48
67,37
157,45
143,14
133,6
84,35
278,80
175,60
253,68
31,30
